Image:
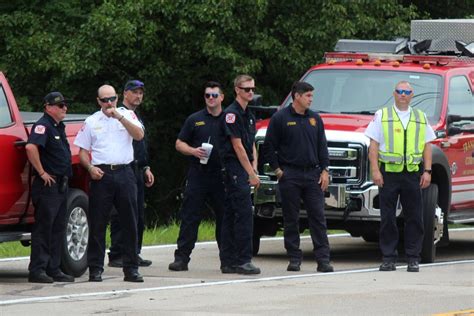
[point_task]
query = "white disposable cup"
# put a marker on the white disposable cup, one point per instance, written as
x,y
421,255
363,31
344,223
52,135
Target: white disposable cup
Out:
x,y
208,148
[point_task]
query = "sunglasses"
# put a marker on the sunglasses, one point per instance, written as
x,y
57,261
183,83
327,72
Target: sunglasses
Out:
x,y
59,105
209,95
109,99
405,92
247,89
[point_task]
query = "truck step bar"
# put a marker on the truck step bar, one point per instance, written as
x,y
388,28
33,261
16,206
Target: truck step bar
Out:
x,y
14,236
465,217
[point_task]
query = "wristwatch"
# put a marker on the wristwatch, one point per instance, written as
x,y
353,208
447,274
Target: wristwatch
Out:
x,y
326,169
428,171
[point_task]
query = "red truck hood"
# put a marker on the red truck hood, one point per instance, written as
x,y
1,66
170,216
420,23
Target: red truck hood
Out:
x,y
338,122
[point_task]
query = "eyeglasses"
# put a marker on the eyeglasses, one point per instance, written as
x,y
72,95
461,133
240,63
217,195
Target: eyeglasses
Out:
x,y
247,89
405,92
109,99
209,95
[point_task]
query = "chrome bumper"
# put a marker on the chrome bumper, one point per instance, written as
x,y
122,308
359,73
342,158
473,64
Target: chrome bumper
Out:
x,y
340,203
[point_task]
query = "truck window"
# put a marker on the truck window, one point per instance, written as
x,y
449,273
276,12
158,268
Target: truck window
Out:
x,y
5,116
366,91
460,98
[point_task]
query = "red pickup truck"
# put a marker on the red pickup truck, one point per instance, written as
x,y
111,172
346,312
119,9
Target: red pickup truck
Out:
x,y
16,209
355,81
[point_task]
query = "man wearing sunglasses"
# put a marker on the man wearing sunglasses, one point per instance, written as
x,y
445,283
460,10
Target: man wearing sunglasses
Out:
x,y
49,153
399,145
107,136
132,98
204,178
240,160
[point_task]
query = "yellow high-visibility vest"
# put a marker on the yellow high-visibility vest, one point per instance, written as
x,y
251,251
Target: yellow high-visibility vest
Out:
x,y
402,147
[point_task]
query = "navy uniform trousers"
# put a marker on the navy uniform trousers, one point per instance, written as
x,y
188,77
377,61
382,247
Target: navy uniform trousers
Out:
x,y
116,188
405,185
116,237
50,224
302,184
202,185
237,225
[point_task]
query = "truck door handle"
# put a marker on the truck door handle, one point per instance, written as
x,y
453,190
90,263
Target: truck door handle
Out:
x,y
20,143
445,144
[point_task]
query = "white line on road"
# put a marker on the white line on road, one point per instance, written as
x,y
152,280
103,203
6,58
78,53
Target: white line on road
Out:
x,y
217,283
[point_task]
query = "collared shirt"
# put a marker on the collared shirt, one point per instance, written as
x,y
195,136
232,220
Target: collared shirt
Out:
x,y
375,131
107,139
296,139
54,150
140,150
202,127
237,123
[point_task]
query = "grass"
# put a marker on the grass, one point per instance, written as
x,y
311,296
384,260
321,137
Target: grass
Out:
x,y
158,235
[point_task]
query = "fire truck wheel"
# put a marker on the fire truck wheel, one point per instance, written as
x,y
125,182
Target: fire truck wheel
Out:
x,y
430,201
76,237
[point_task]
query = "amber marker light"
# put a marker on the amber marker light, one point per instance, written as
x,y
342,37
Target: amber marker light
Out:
x,y
359,62
377,62
426,66
396,64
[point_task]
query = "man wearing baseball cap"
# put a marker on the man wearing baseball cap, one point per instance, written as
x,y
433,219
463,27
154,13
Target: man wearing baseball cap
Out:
x,y
132,98
50,155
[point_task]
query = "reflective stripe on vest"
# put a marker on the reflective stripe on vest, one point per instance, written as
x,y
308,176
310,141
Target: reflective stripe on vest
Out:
x,y
397,154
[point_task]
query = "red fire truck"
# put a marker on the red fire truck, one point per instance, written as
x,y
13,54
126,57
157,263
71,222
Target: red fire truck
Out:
x,y
356,80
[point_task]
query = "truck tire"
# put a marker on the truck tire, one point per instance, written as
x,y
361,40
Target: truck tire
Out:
x,y
372,236
76,237
255,244
430,201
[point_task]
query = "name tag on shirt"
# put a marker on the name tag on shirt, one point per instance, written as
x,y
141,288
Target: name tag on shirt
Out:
x,y
291,124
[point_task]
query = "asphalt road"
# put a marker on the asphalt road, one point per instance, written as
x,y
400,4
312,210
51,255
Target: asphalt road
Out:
x,y
357,287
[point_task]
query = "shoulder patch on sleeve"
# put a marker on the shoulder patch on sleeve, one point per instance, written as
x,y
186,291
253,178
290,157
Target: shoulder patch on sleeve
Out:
x,y
230,118
40,129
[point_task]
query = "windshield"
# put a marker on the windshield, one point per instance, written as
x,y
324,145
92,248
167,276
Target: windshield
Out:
x,y
366,91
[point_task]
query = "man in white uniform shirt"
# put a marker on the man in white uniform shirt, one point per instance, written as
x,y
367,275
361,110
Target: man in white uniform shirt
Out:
x,y
399,145
107,136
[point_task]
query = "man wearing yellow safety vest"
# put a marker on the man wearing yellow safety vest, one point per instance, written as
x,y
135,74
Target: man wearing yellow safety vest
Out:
x,y
400,159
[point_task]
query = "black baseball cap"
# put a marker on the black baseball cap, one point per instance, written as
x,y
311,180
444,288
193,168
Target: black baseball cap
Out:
x,y
55,98
134,84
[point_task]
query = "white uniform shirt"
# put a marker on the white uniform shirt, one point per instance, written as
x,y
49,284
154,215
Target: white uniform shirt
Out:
x,y
107,139
375,129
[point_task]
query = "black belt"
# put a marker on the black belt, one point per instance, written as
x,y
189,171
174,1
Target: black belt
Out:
x,y
112,167
301,168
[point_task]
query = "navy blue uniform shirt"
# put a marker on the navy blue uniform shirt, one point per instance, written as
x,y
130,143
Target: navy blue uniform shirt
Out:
x,y
140,152
53,147
202,127
296,139
237,123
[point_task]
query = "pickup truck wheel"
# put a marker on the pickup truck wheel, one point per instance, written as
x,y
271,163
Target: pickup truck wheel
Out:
x,y
255,244
371,236
76,239
430,202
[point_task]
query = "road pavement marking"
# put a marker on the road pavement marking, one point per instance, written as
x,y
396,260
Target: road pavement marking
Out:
x,y
217,283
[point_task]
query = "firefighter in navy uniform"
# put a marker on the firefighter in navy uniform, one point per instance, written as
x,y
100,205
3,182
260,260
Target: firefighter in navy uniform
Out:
x,y
49,153
398,137
239,155
204,180
132,98
296,148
